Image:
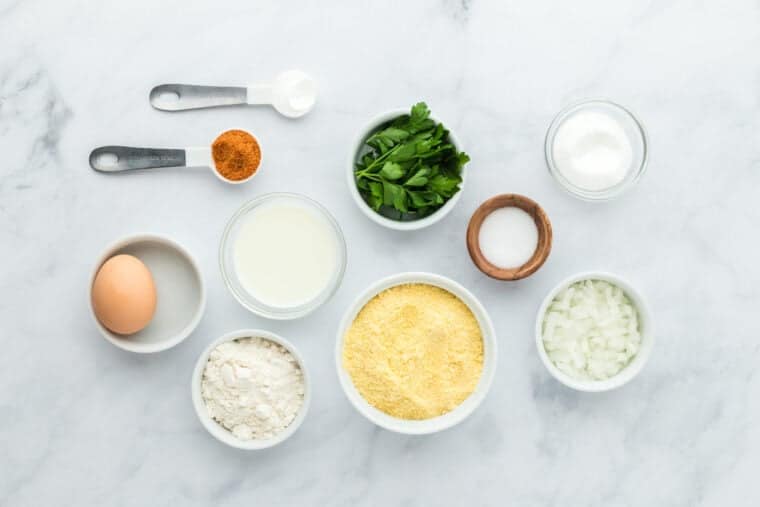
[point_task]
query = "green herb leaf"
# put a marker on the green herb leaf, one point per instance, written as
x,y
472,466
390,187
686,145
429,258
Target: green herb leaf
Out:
x,y
400,201
392,171
462,159
389,136
390,191
395,196
419,119
420,112
421,199
404,152
376,195
419,178
445,185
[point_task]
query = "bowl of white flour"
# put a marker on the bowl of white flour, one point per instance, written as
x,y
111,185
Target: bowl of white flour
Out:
x,y
250,389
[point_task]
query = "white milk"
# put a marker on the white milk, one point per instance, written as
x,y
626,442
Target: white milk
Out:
x,y
285,253
592,150
508,237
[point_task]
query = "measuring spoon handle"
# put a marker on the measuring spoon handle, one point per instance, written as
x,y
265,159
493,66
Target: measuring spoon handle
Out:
x,y
126,158
179,97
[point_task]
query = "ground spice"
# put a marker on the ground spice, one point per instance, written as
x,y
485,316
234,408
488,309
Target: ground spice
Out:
x,y
414,351
236,154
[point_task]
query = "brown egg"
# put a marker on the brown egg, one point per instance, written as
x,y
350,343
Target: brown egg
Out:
x,y
124,295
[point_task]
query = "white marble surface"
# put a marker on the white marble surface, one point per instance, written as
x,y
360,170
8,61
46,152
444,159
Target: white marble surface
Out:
x,y
84,423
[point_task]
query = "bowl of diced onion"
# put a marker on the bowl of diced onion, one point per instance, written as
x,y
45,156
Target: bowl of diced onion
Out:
x,y
594,332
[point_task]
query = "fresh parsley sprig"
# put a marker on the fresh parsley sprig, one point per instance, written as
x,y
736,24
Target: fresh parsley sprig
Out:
x,y
409,167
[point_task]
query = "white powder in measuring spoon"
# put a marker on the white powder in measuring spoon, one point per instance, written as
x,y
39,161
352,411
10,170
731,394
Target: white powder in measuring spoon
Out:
x,y
253,387
592,150
508,237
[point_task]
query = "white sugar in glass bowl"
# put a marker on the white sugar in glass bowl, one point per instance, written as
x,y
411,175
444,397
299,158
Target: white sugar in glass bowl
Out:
x,y
358,149
607,142
449,419
635,365
217,430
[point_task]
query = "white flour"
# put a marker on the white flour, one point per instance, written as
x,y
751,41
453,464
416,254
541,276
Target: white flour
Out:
x,y
253,387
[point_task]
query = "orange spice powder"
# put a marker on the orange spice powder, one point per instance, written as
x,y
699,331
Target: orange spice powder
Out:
x,y
236,154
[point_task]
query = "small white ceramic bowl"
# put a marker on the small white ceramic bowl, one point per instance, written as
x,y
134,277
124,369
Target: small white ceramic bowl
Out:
x,y
645,326
181,293
409,225
436,424
216,429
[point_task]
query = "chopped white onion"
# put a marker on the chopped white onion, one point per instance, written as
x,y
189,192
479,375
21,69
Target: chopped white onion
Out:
x,y
591,330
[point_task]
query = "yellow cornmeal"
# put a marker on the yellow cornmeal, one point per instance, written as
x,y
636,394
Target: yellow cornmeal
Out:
x,y
414,351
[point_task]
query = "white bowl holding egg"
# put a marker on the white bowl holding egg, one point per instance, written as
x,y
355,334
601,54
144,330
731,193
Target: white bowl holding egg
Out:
x,y
181,293
645,328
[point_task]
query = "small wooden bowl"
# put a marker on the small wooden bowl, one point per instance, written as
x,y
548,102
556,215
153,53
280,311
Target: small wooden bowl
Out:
x,y
543,248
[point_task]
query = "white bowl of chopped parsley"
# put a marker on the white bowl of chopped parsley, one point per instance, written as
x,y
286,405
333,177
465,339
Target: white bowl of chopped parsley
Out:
x,y
406,170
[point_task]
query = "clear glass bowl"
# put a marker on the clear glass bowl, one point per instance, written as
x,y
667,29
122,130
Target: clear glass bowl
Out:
x,y
633,128
229,274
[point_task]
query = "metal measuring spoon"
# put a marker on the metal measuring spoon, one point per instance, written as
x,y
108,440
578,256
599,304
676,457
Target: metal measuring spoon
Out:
x,y
292,93
116,159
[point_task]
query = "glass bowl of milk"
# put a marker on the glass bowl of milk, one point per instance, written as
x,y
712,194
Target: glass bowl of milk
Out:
x,y
282,255
596,149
